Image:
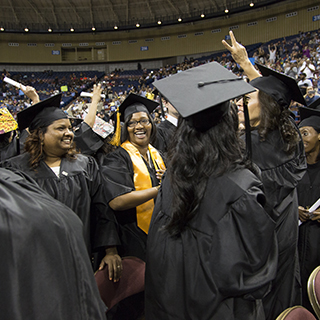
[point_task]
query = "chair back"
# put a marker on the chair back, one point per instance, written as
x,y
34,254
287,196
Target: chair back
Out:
x,y
296,313
131,281
314,290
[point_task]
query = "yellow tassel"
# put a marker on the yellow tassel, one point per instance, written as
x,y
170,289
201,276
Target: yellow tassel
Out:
x,y
115,141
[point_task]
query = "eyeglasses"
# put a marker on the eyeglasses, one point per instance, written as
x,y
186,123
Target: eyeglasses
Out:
x,y
143,122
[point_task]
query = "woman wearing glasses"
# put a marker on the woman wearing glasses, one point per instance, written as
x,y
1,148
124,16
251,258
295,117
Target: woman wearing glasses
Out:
x,y
133,172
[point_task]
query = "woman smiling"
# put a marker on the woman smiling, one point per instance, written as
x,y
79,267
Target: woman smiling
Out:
x,y
73,179
134,174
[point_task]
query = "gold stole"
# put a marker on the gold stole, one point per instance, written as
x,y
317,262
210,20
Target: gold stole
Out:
x,y
142,181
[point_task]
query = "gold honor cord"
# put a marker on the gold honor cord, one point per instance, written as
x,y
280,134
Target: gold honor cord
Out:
x,y
142,181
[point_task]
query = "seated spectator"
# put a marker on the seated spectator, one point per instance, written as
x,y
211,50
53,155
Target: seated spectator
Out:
x,y
291,69
303,83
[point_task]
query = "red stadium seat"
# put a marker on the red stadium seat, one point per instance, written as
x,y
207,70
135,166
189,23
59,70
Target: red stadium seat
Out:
x,y
131,282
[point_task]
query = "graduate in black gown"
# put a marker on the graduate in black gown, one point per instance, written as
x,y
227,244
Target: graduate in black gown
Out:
x,y
133,172
211,250
73,179
277,149
308,194
87,141
44,270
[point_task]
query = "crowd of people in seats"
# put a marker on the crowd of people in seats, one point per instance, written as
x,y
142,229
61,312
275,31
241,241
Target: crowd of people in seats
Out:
x,y
297,56
213,198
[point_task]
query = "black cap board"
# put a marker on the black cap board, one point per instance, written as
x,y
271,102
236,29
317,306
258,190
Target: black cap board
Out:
x,y
135,103
41,114
75,121
309,118
202,94
314,104
279,86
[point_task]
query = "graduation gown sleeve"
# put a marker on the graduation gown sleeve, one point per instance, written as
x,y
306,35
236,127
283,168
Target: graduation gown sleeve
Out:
x,y
86,140
117,169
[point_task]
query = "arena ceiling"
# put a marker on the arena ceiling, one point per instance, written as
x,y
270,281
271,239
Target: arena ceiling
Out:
x,y
58,16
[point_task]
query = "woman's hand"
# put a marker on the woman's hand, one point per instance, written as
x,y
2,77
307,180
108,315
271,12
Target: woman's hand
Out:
x,y
114,262
97,90
240,56
237,50
303,214
159,174
316,215
31,93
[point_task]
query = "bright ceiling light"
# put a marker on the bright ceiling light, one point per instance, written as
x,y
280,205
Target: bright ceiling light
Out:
x,y
137,25
202,15
179,19
226,11
251,4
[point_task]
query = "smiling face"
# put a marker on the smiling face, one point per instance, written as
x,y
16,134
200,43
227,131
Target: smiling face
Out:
x,y
310,139
253,109
58,138
140,134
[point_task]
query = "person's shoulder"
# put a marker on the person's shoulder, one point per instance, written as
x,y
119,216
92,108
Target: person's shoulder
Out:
x,y
116,157
19,161
244,179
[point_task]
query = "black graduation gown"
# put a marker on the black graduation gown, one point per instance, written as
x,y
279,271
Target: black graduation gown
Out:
x,y
81,188
223,263
165,132
117,169
86,140
44,270
280,174
15,147
309,231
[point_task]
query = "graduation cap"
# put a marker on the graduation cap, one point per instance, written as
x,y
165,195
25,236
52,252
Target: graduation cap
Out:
x,y
309,118
75,121
314,104
279,86
202,94
135,103
7,122
132,104
41,114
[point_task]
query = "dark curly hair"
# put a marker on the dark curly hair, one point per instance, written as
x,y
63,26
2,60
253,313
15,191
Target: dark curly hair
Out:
x,y
273,116
194,157
34,146
125,134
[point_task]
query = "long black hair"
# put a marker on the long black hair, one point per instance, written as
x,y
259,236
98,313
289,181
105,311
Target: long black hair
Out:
x,y
194,157
273,116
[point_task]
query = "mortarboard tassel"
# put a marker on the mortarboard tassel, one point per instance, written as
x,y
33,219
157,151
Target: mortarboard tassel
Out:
x,y
115,141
